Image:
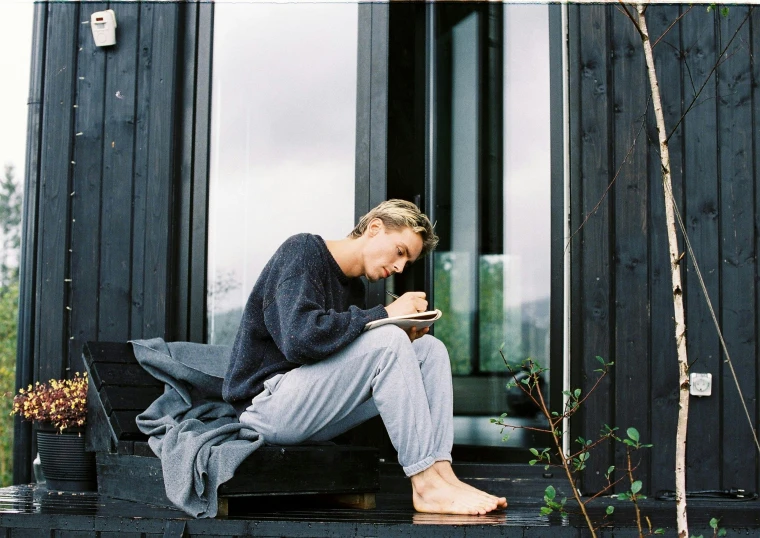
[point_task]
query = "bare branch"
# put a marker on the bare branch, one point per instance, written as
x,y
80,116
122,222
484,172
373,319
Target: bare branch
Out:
x,y
681,16
617,173
586,448
521,427
686,63
529,391
605,489
710,74
624,8
592,389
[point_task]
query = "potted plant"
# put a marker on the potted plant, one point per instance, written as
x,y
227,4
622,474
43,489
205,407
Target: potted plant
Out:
x,y
58,409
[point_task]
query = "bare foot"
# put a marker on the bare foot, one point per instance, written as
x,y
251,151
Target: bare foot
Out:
x,y
432,494
447,473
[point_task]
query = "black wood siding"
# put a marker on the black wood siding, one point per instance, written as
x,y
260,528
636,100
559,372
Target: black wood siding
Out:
x,y
114,235
621,299
372,117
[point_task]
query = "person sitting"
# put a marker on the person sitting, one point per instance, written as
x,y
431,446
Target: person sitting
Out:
x,y
302,368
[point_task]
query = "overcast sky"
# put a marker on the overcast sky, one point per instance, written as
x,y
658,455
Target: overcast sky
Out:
x,y
15,55
283,132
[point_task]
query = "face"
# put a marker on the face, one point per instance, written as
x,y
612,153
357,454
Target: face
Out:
x,y
389,251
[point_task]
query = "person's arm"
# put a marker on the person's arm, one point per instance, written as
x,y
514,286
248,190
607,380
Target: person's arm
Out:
x,y
303,329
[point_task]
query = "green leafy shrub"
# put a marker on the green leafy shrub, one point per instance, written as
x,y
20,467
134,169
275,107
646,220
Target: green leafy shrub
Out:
x,y
8,326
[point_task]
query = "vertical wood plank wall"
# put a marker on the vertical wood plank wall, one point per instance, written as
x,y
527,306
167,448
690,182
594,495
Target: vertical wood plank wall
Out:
x,y
621,300
591,314
118,154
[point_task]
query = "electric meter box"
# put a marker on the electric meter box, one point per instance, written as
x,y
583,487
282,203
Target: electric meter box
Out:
x,y
103,24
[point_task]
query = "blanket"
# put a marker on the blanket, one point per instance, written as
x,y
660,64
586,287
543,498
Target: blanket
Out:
x,y
191,429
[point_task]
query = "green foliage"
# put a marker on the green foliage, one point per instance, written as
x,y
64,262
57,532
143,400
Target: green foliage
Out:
x,y
455,328
8,325
10,226
542,456
479,290
633,439
723,10
576,461
717,531
10,230
492,314
551,504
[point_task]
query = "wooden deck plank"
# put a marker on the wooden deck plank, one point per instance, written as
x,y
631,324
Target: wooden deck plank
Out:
x,y
32,511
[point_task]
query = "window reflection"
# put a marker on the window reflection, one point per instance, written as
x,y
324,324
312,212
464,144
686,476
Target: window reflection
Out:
x,y
527,211
283,140
492,198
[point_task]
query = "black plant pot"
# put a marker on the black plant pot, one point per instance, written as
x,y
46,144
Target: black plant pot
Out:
x,y
65,463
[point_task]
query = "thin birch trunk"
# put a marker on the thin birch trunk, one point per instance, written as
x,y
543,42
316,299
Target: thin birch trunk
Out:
x,y
675,268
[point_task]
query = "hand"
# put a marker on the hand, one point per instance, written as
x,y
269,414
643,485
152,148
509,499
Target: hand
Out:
x,y
414,333
409,303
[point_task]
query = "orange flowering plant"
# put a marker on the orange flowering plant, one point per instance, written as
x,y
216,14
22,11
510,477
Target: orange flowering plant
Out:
x,y
62,403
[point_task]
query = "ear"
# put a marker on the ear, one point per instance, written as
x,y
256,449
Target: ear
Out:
x,y
374,227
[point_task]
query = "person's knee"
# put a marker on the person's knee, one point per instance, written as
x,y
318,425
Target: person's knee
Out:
x,y
391,336
437,352
391,345
437,348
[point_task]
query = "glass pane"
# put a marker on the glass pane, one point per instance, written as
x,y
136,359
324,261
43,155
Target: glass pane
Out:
x,y
492,198
527,209
283,140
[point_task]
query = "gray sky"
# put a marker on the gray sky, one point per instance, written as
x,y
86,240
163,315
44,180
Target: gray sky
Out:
x,y
283,132
15,44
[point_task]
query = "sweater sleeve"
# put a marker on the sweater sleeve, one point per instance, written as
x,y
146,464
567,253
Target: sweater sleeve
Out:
x,y
306,332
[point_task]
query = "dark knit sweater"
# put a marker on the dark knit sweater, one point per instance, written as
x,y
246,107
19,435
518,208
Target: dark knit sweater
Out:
x,y
302,309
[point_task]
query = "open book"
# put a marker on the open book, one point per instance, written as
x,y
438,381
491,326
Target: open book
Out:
x,y
419,320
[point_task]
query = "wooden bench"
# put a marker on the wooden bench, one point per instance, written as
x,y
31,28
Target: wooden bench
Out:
x,y
120,389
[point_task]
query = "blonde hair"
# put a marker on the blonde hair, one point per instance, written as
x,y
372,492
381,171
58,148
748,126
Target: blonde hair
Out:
x,y
398,214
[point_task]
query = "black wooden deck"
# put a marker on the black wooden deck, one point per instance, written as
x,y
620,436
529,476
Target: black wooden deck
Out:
x,y
34,511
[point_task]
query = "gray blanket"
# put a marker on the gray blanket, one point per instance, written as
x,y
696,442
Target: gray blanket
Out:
x,y
192,430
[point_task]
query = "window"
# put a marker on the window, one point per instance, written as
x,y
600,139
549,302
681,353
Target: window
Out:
x,y
283,140
492,195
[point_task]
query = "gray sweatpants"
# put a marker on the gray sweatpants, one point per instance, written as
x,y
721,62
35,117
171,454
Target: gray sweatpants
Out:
x,y
407,383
